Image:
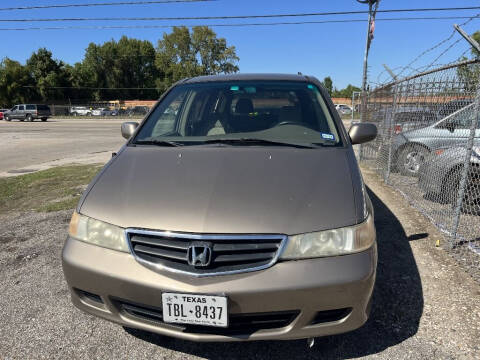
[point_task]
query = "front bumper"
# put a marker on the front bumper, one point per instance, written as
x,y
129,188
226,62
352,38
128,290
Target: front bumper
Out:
x,y
305,286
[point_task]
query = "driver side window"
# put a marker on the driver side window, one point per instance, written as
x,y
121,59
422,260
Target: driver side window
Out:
x,y
167,120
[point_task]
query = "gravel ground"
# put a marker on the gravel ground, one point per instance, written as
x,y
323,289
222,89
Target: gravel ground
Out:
x,y
442,214
425,306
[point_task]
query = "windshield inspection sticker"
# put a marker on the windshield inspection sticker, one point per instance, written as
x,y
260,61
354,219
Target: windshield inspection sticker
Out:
x,y
328,136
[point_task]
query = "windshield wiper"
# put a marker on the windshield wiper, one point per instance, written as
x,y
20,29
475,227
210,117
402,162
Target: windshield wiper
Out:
x,y
255,141
326,143
158,143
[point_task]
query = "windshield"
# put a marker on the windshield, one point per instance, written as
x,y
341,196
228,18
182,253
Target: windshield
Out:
x,y
269,112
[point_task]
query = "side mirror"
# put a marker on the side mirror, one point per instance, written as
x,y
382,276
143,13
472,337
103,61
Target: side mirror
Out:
x,y
128,128
362,132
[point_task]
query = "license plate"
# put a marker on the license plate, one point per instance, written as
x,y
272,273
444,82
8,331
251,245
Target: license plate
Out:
x,y
195,309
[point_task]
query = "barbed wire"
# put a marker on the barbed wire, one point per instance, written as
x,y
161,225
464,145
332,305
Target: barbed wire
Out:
x,y
439,56
439,44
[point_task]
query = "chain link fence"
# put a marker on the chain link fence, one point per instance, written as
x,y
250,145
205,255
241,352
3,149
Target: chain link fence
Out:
x,y
428,148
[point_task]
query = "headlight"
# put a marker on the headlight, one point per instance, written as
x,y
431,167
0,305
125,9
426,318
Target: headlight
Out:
x,y
97,232
341,241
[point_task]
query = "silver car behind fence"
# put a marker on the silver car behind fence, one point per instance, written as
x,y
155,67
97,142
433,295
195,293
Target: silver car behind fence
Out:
x,y
427,149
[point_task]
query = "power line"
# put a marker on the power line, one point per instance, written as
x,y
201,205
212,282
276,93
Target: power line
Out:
x,y
92,88
34,7
231,16
113,27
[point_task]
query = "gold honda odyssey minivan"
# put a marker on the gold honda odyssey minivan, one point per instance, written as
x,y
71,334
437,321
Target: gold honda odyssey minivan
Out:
x,y
234,211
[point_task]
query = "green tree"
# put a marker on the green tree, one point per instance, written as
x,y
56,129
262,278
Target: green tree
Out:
x,y
345,93
128,63
469,75
328,84
16,84
183,54
47,74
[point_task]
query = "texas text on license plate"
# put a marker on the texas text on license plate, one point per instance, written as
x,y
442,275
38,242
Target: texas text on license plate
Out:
x,y
195,309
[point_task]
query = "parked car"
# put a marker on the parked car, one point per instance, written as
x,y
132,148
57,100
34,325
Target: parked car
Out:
x,y
98,112
403,118
80,111
222,223
441,174
28,112
2,111
104,112
410,148
138,111
343,109
411,119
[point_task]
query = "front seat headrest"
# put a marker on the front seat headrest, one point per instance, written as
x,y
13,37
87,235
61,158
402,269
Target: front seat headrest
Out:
x,y
244,106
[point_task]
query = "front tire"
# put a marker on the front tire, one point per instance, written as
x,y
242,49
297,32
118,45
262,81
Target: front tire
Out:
x,y
411,159
7,118
471,197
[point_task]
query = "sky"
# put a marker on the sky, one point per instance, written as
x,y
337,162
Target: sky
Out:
x,y
331,49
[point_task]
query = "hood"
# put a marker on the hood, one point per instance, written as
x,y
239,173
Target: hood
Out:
x,y
225,190
419,133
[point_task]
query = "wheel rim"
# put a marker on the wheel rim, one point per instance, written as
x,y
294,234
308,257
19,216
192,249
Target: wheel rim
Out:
x,y
413,161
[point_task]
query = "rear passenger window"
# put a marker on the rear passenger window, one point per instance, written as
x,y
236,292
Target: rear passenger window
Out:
x,y
30,107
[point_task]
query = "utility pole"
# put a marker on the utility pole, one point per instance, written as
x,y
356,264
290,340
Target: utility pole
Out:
x,y
372,11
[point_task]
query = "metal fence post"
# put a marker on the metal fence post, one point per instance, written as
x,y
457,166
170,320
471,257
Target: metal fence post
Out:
x,y
466,167
392,129
353,105
363,115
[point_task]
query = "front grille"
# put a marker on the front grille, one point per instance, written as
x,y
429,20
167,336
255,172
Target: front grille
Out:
x,y
229,253
238,323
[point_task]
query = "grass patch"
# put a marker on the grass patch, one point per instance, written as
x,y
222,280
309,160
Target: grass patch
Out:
x,y
54,189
